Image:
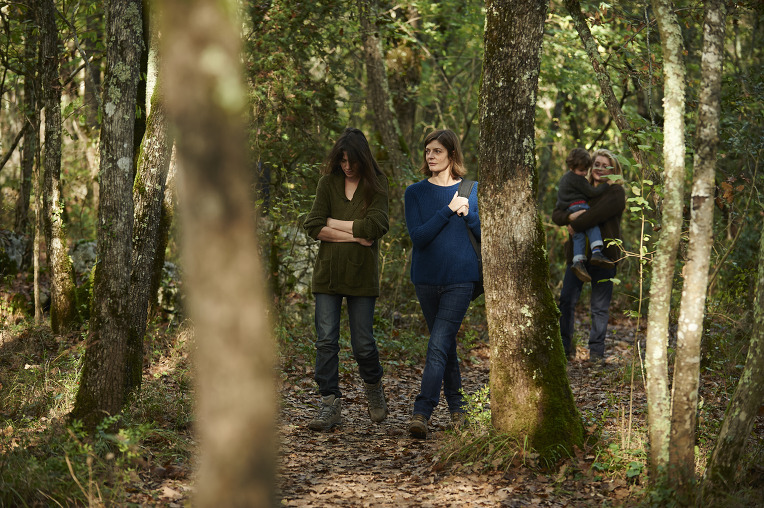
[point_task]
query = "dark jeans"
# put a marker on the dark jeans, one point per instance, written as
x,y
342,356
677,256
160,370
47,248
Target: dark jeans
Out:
x,y
444,308
361,317
602,291
579,239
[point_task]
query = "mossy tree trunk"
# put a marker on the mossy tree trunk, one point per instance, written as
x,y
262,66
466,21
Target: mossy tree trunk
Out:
x,y
63,308
226,288
743,408
148,197
684,402
102,386
656,360
530,393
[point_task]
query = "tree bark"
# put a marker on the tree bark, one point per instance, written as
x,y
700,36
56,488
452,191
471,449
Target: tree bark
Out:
x,y
31,121
530,394
102,387
381,104
743,408
590,46
684,402
148,197
63,308
656,360
226,296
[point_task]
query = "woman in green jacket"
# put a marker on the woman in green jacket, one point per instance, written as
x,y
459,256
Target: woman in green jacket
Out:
x,y
349,216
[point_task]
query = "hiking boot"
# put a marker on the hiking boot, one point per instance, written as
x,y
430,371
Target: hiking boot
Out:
x,y
580,271
599,259
458,420
418,426
375,396
328,414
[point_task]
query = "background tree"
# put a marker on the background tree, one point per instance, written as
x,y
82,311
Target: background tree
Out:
x,y
656,360
684,401
227,302
722,472
530,394
102,386
63,308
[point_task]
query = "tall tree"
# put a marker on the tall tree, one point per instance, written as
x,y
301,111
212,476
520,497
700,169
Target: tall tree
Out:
x,y
380,102
613,106
226,288
31,120
102,386
743,408
684,402
148,198
656,361
530,394
63,308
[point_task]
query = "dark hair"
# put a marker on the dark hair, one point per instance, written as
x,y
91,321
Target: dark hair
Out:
x,y
354,143
578,158
450,141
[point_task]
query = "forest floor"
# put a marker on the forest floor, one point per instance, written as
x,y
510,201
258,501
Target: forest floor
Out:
x,y
365,464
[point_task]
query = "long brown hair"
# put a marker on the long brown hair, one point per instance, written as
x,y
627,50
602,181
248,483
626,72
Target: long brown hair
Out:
x,y
450,141
353,143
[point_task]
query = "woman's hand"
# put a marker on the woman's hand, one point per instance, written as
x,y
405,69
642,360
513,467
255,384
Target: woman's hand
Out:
x,y
364,242
459,204
573,216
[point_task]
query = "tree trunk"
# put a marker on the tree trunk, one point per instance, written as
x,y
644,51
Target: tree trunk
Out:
x,y
94,23
102,387
530,394
226,296
684,402
148,197
63,308
590,46
31,123
381,104
656,361
743,408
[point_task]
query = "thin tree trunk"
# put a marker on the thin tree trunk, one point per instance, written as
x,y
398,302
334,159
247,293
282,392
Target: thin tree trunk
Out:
x,y
148,197
102,387
743,408
530,393
590,46
656,360
31,123
63,308
684,402
380,102
226,296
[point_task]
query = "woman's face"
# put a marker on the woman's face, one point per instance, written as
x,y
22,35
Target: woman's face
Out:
x,y
601,168
436,156
350,170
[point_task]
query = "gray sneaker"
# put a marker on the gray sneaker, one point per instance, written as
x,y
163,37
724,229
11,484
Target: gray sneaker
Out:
x,y
329,414
375,396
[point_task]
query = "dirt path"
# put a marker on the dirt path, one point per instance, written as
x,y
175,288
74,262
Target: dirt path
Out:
x,y
367,464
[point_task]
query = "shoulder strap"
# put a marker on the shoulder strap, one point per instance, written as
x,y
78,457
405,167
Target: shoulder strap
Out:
x,y
465,187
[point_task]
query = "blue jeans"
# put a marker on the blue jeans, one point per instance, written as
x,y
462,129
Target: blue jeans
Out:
x,y
602,292
361,317
444,308
579,239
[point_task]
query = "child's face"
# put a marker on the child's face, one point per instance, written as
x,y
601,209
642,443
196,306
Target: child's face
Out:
x,y
581,171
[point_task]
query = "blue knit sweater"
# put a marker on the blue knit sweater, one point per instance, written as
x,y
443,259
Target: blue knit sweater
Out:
x,y
443,253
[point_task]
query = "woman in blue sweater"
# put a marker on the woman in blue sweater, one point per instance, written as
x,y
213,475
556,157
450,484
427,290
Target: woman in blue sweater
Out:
x,y
444,270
